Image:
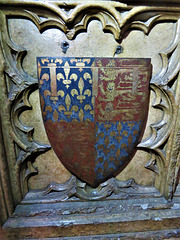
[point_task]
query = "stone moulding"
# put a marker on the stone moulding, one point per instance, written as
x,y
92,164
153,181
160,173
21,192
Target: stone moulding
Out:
x,y
18,148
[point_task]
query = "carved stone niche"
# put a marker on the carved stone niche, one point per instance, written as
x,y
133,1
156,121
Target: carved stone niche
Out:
x,y
39,198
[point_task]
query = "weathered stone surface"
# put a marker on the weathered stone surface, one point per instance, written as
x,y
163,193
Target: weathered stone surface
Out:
x,y
130,213
93,43
155,217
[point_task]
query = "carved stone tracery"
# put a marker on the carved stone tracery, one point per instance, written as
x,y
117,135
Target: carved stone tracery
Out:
x,y
72,18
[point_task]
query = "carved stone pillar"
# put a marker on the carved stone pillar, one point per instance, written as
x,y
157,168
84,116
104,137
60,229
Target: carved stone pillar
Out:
x,y
39,198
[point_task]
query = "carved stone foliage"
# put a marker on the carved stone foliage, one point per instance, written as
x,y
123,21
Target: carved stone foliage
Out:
x,y
72,18
21,149
166,87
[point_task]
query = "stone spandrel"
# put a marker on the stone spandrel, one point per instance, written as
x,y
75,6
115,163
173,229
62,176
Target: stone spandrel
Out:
x,y
90,44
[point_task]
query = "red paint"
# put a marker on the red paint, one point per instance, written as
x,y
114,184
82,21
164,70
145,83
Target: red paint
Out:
x,y
122,90
74,146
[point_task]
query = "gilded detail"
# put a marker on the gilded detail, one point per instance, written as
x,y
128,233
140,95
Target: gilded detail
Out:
x,y
97,103
64,85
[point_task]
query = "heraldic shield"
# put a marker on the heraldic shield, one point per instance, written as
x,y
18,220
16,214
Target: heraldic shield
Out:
x,y
94,112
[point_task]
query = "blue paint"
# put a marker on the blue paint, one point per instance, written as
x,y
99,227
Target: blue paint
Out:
x,y
100,145
106,161
79,71
61,63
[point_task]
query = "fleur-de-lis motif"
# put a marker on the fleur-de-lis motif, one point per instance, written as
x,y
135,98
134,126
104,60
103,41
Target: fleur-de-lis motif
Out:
x,y
106,147
80,96
67,79
67,111
118,136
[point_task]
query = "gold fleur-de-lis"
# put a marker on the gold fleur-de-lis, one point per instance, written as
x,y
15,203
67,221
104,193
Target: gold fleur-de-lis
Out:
x,y
67,79
67,110
118,137
80,96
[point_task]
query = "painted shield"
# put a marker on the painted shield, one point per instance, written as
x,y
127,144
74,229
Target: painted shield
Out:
x,y
94,112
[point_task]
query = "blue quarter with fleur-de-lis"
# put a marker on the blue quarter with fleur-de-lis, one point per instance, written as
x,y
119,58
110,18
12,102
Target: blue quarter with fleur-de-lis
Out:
x,y
69,98
114,142
94,112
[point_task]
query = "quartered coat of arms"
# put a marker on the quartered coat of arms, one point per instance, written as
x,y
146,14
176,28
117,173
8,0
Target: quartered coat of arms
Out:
x,y
94,112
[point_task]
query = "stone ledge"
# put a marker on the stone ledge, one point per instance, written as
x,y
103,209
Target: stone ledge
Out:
x,y
131,218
